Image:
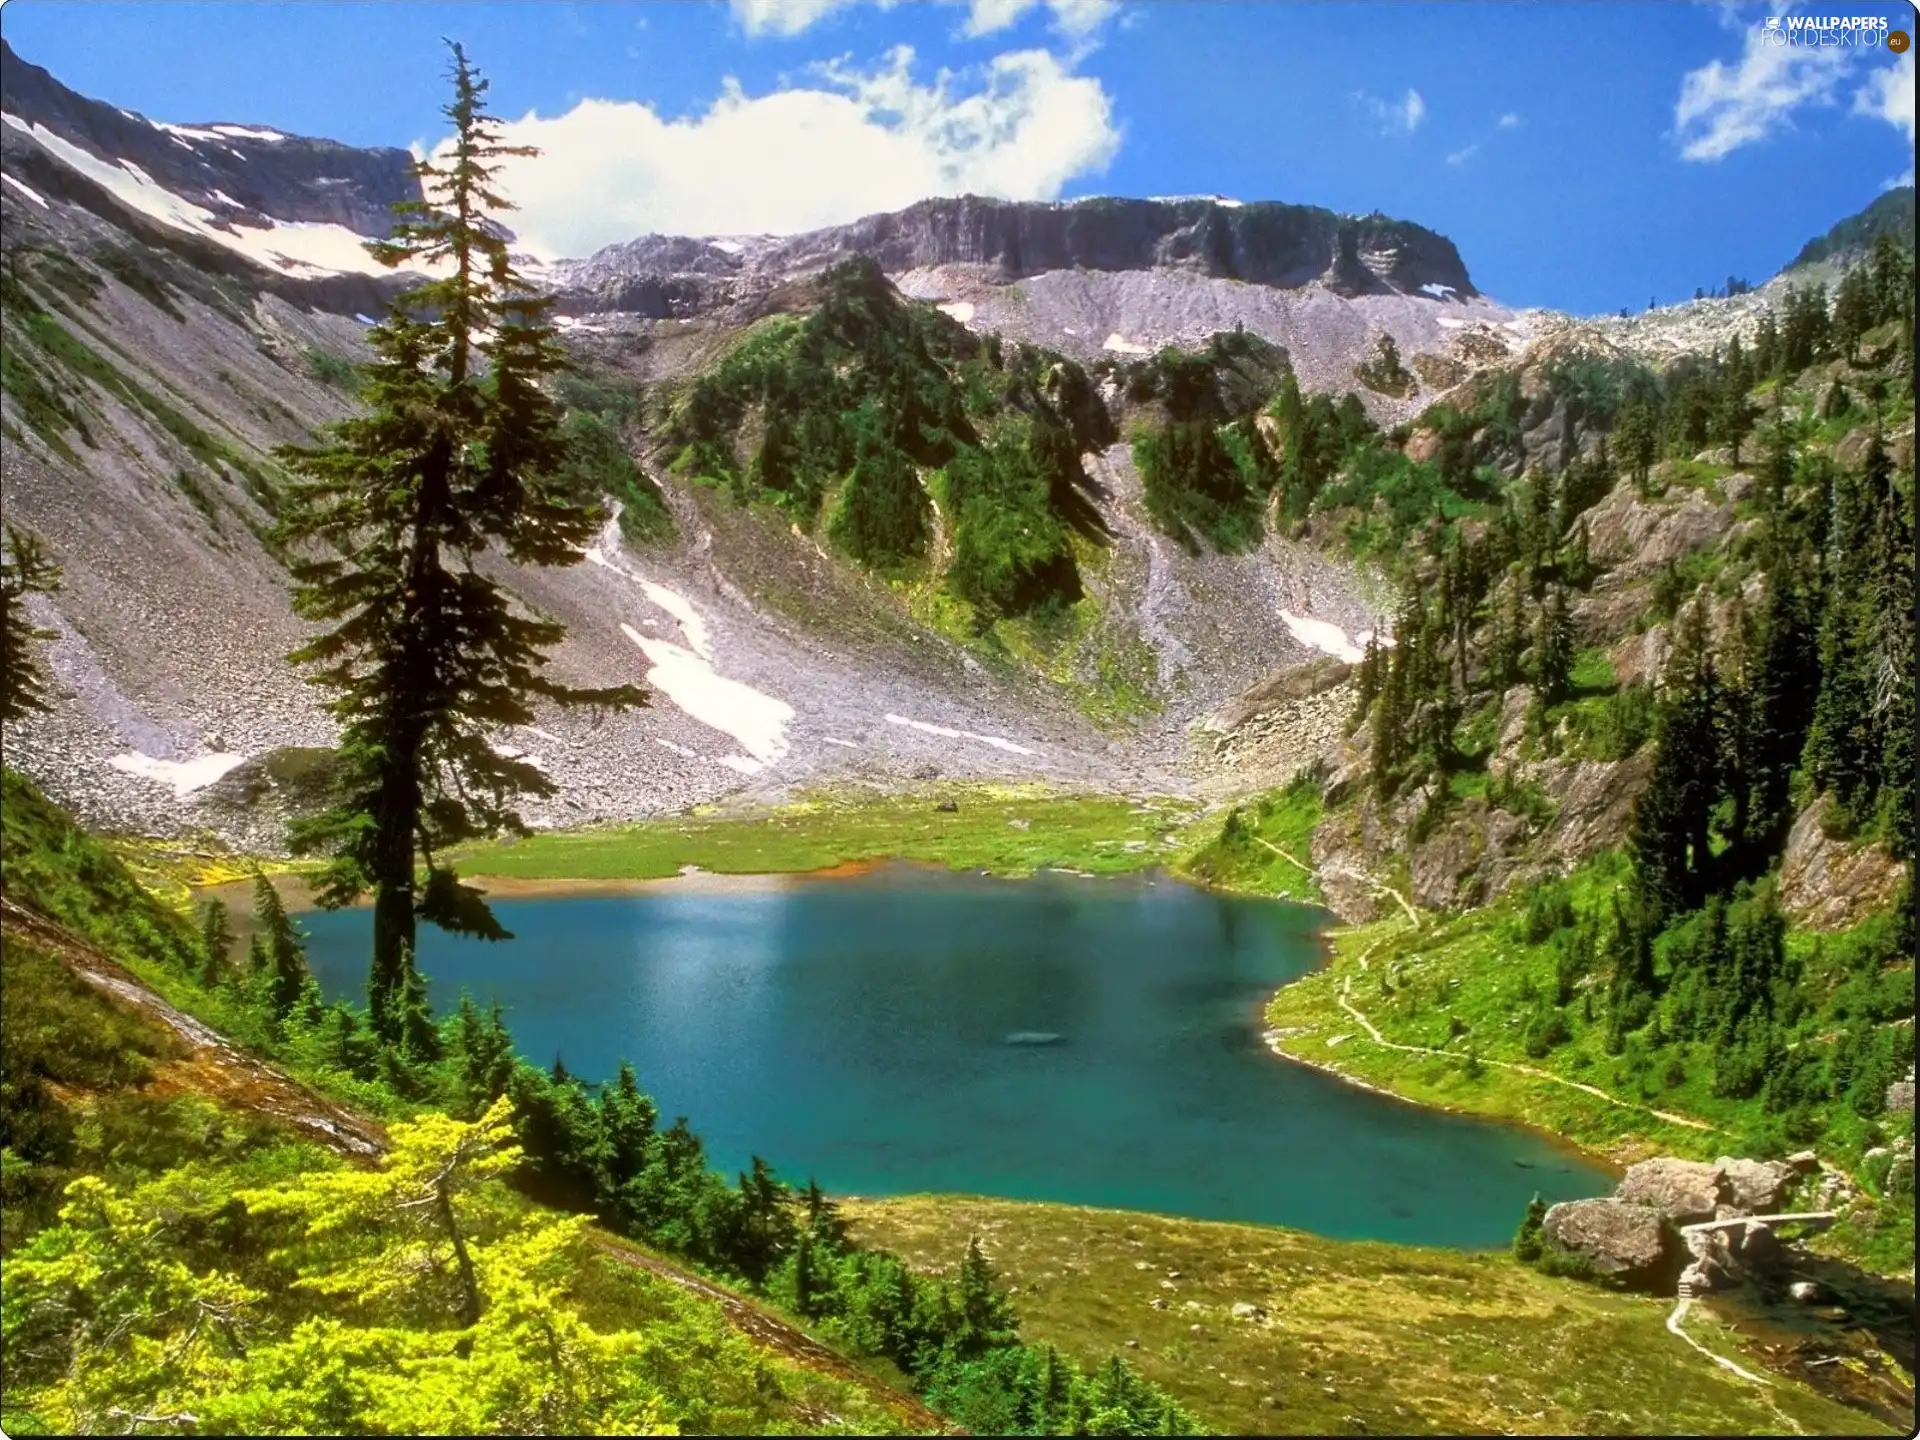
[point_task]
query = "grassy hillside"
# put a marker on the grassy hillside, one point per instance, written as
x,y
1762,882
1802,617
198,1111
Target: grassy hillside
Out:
x,y
1265,1331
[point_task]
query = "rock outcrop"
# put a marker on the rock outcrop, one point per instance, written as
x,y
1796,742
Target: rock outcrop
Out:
x,y
1829,884
1661,1217
1633,1244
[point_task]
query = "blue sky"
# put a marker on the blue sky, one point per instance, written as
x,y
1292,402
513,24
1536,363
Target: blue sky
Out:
x,y
1581,155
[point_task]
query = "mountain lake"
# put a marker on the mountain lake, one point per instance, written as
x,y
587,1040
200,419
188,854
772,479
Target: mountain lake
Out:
x,y
905,1030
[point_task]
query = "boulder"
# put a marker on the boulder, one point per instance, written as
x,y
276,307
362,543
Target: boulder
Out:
x,y
1685,1191
1632,1243
1755,1186
1804,1292
1243,1311
1803,1162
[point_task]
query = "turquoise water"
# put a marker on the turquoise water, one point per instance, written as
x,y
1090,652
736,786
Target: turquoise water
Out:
x,y
1096,1042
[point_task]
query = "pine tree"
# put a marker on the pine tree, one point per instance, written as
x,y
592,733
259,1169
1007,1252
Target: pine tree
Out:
x,y
454,458
216,942
479,1054
1639,443
24,570
824,1223
1527,1242
628,1118
1766,346
1509,637
1854,310
986,1319
282,954
1669,836
1553,649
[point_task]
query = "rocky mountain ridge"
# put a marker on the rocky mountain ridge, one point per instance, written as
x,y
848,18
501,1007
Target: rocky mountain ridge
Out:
x,y
1264,243
249,177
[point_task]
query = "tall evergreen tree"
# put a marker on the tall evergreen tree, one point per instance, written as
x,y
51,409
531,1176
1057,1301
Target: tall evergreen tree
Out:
x,y
216,941
24,570
1670,834
454,458
1553,649
282,954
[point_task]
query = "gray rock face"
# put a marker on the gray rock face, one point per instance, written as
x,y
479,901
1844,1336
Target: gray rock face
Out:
x,y
1629,1242
1684,1191
1269,244
1829,884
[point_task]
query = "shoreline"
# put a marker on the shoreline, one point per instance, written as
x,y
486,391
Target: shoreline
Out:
x,y
297,891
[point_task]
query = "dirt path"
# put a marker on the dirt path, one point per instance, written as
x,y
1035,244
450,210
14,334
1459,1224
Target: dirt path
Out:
x,y
1531,1071
216,1068
1346,873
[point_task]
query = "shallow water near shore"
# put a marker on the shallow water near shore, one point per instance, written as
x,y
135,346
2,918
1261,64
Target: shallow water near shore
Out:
x,y
882,1032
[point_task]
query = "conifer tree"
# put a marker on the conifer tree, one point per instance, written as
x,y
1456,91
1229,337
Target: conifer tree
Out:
x,y
1509,637
1639,441
216,940
427,656
282,954
1670,837
1553,649
480,1056
986,1319
1854,310
24,570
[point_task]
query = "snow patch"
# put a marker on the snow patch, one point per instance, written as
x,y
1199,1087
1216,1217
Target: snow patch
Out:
x,y
843,744
676,749
1223,200
365,319
1439,292
1120,345
671,601
292,248
247,132
727,247
185,776
993,740
1322,635
758,721
961,310
194,132
28,191
741,764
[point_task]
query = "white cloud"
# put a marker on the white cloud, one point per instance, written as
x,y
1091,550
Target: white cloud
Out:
x,y
787,17
855,142
1394,117
1508,121
1074,18
1725,106
1888,96
1070,17
1461,156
